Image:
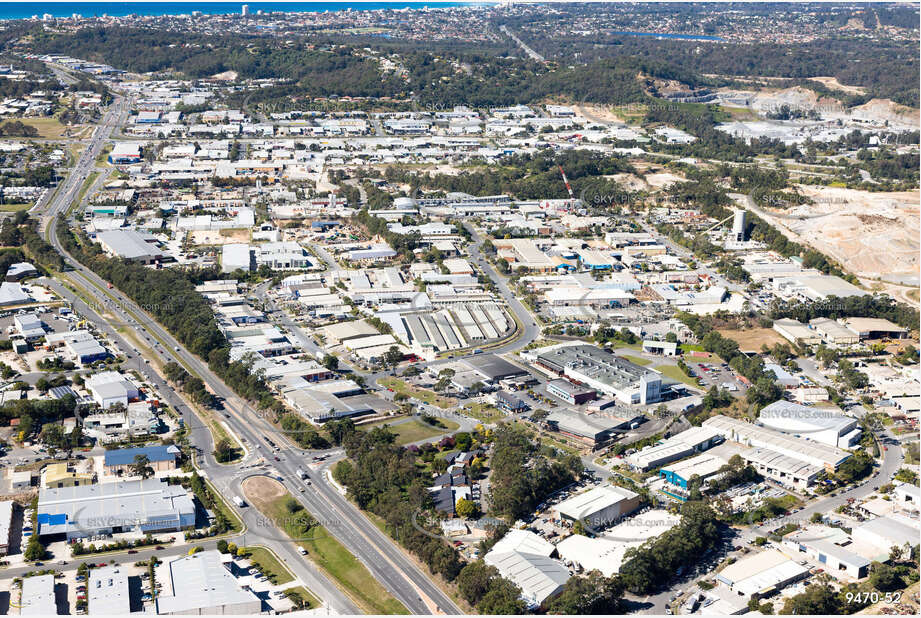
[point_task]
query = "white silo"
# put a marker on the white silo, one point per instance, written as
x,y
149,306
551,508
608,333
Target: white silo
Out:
x,y
738,226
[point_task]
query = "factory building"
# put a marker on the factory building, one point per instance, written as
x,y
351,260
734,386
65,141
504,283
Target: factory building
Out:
x,y
37,597
107,592
761,574
593,367
599,507
703,466
573,394
203,584
818,424
806,451
686,443
148,505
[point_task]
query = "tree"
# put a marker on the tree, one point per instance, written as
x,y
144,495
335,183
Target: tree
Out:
x,y
884,578
593,594
465,508
819,598
393,356
224,450
141,467
340,429
474,579
463,440
331,362
503,599
671,337
34,549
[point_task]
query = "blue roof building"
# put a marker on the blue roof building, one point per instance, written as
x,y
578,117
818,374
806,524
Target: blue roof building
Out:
x,y
161,457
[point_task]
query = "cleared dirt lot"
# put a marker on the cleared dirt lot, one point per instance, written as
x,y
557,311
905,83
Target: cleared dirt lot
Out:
x,y
872,234
752,339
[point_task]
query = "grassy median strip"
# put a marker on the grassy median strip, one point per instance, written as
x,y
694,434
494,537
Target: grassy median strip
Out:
x,y
269,565
273,500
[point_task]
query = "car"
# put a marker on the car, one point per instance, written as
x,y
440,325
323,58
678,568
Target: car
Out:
x,y
100,565
132,551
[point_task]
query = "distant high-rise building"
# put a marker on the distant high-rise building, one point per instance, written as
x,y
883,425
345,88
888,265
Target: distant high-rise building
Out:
x,y
244,11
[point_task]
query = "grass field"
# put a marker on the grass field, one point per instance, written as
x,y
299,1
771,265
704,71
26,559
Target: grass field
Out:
x,y
429,397
269,565
271,498
415,430
14,207
672,372
47,127
483,412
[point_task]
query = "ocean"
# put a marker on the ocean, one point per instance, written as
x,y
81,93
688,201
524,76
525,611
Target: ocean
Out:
x,y
25,10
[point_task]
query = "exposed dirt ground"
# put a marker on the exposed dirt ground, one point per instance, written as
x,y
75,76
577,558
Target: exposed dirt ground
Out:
x,y
752,339
220,237
874,235
260,491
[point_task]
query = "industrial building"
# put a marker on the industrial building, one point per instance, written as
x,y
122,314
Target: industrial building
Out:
x,y
160,457
37,597
573,394
203,584
130,245
796,332
818,424
761,574
836,560
886,533
148,505
789,471
834,332
592,429
540,578
875,328
591,366
662,348
125,153
63,475
493,368
109,388
703,466
684,444
599,507
6,525
107,592
807,451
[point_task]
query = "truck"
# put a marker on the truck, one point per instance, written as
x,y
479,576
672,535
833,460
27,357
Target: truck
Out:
x,y
239,501
301,474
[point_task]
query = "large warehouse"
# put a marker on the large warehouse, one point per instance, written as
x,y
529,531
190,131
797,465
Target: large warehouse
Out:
x,y
694,440
599,507
761,574
819,424
202,584
148,505
591,366
807,451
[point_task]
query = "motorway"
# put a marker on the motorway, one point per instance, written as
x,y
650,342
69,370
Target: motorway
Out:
x,y
387,562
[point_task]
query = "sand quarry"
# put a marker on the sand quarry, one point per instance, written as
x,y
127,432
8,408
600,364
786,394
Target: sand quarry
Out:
x,y
874,235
